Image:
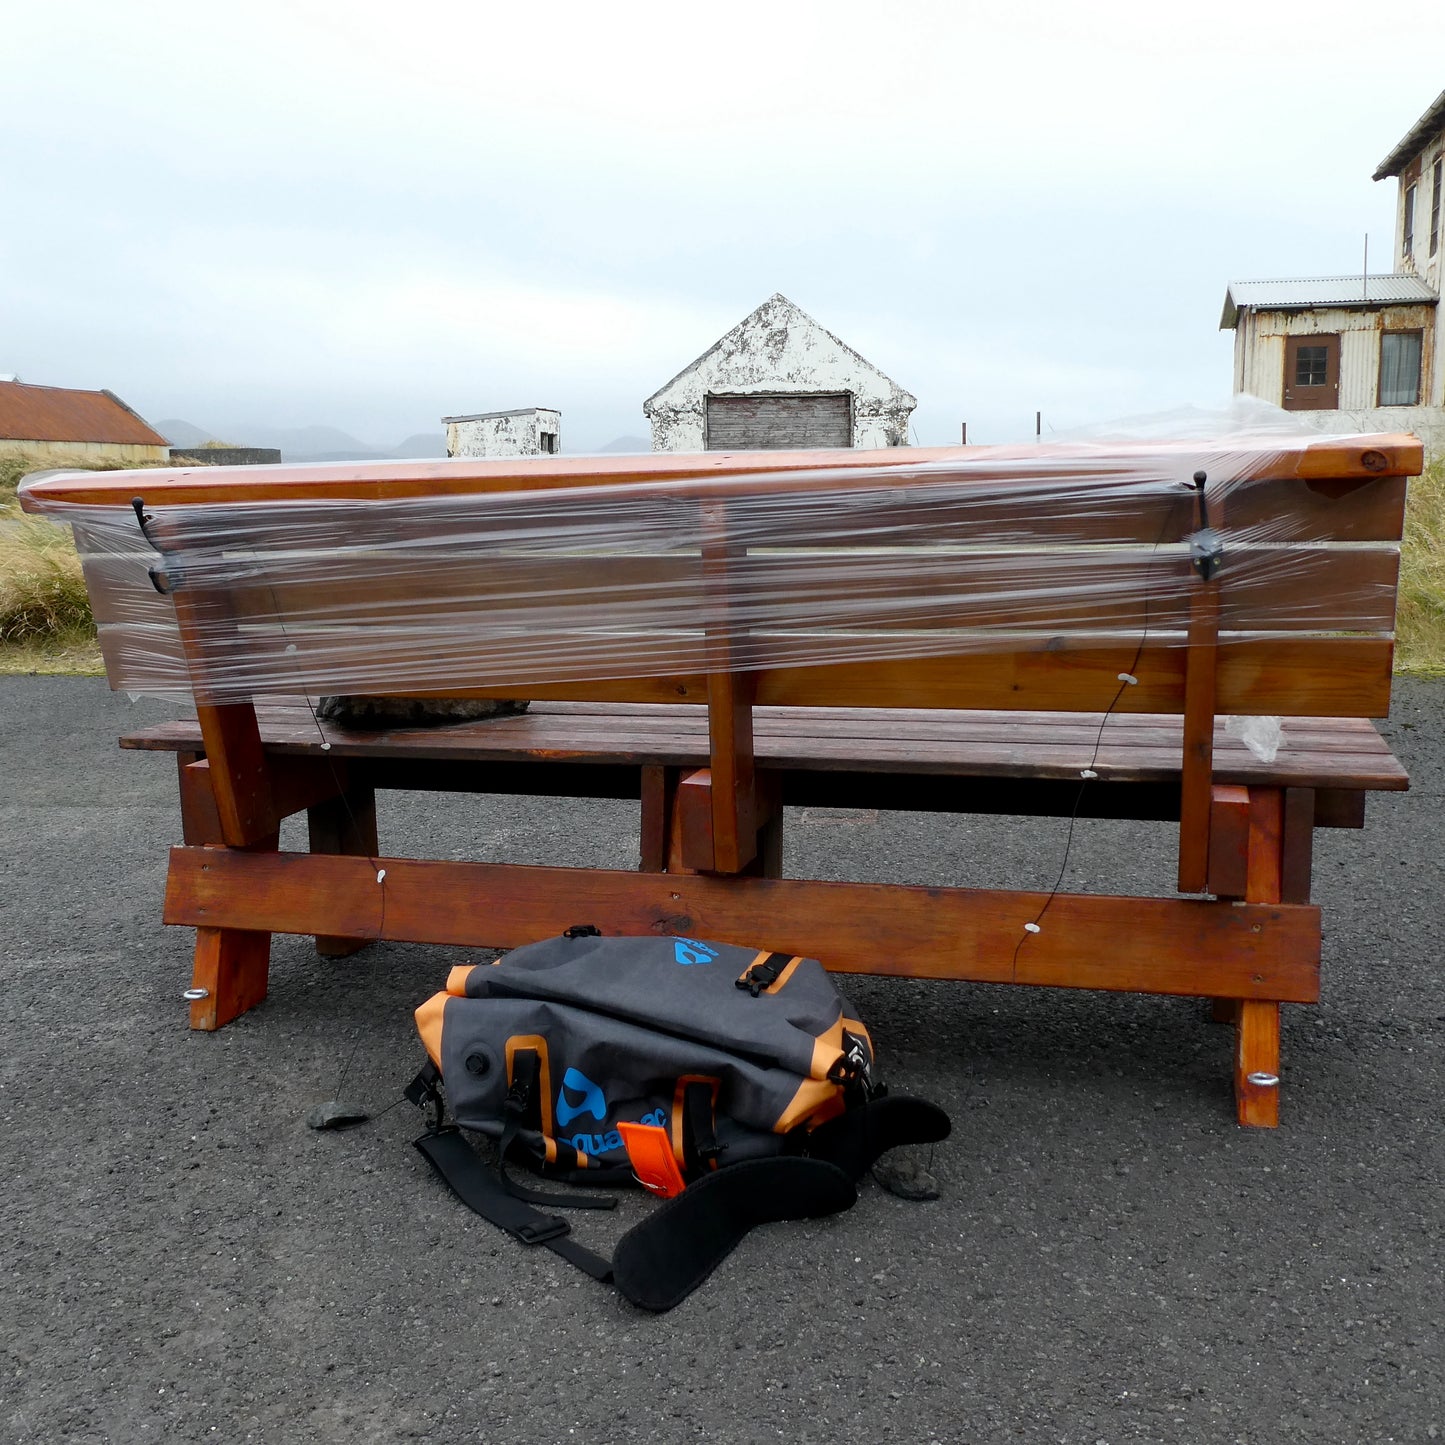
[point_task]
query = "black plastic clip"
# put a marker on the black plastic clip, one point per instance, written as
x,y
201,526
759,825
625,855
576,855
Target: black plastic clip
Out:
x,y
763,975
548,1227
163,580
1202,501
1206,552
425,1092
1206,546
582,930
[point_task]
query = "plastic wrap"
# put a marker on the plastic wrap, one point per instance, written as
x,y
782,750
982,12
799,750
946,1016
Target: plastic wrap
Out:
x,y
448,578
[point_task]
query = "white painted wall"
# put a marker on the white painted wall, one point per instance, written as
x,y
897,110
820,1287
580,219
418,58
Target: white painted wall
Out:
x,y
61,453
779,349
1426,422
504,433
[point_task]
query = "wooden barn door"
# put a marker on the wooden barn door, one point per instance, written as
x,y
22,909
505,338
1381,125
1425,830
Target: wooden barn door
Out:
x,y
771,423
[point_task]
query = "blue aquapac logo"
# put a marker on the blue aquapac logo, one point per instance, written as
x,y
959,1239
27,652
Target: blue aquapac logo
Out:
x,y
688,951
592,1101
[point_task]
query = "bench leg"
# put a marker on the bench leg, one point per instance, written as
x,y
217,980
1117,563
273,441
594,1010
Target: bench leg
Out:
x,y
344,825
1256,1064
1256,1055
232,965
1260,844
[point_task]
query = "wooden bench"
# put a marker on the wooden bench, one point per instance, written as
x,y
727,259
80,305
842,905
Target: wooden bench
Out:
x,y
1035,618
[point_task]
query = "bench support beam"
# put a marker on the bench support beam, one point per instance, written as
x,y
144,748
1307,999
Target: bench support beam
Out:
x,y
1148,945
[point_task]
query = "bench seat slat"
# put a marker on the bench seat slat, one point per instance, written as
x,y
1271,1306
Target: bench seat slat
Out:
x,y
1345,753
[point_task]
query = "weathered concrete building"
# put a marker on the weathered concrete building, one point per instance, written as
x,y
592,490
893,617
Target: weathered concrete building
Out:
x,y
525,432
778,379
56,424
1359,352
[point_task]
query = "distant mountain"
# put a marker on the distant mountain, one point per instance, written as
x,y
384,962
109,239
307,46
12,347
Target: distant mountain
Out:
x,y
304,444
627,444
183,434
423,444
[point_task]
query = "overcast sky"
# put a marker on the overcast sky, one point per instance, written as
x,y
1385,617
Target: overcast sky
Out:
x,y
372,215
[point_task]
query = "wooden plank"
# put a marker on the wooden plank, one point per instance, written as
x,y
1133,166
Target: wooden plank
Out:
x,y
1295,675
778,422
1174,946
1296,863
656,785
1228,841
346,825
694,821
1197,775
1256,1067
722,472
199,821
1266,834
239,773
732,785
231,966
1330,754
1256,1064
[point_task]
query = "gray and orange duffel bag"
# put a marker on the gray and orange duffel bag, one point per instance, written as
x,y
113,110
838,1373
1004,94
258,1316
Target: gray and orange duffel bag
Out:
x,y
732,1082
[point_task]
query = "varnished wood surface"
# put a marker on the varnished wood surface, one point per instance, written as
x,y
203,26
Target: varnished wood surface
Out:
x,y
1325,458
1151,945
1338,753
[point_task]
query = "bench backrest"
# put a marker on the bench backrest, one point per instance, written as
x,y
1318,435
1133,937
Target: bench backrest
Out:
x,y
972,578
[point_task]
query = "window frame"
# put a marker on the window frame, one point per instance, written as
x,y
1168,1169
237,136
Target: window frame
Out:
x,y
1436,173
1407,232
1417,332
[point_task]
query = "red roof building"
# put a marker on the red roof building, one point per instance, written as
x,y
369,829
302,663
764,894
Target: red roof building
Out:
x,y
51,421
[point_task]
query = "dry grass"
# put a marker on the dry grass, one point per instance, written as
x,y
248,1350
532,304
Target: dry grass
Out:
x,y
1420,623
45,621
42,591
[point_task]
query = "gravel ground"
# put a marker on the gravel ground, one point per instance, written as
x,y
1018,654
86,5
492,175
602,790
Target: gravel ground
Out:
x,y
1112,1260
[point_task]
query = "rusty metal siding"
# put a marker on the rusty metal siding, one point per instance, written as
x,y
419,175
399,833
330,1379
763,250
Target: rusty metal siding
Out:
x,y
54,414
1264,335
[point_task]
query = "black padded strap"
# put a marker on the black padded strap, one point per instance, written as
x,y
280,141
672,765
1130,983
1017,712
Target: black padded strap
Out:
x,y
484,1193
855,1140
659,1262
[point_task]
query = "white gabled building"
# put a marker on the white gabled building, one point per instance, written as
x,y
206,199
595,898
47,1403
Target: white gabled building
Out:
x,y
1359,352
778,380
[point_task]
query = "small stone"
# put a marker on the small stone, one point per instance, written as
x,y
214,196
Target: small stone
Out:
x,y
905,1177
333,1114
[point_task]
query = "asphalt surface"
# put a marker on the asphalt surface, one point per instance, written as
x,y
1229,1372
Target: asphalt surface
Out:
x,y
1112,1259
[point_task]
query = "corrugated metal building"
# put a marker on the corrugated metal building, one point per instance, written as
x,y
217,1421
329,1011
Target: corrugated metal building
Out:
x,y
1359,352
777,380
53,423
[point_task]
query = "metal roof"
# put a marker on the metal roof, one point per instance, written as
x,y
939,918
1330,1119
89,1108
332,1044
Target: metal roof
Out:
x,y
1396,288
1415,140
55,414
515,411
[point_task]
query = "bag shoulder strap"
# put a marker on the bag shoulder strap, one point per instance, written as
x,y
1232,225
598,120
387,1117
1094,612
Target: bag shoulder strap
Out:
x,y
660,1261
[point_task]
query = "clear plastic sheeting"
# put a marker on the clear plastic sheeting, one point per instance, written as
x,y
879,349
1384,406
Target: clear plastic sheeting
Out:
x,y
447,578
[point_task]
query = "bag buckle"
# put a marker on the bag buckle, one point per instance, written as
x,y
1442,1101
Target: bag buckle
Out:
x,y
425,1092
542,1230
